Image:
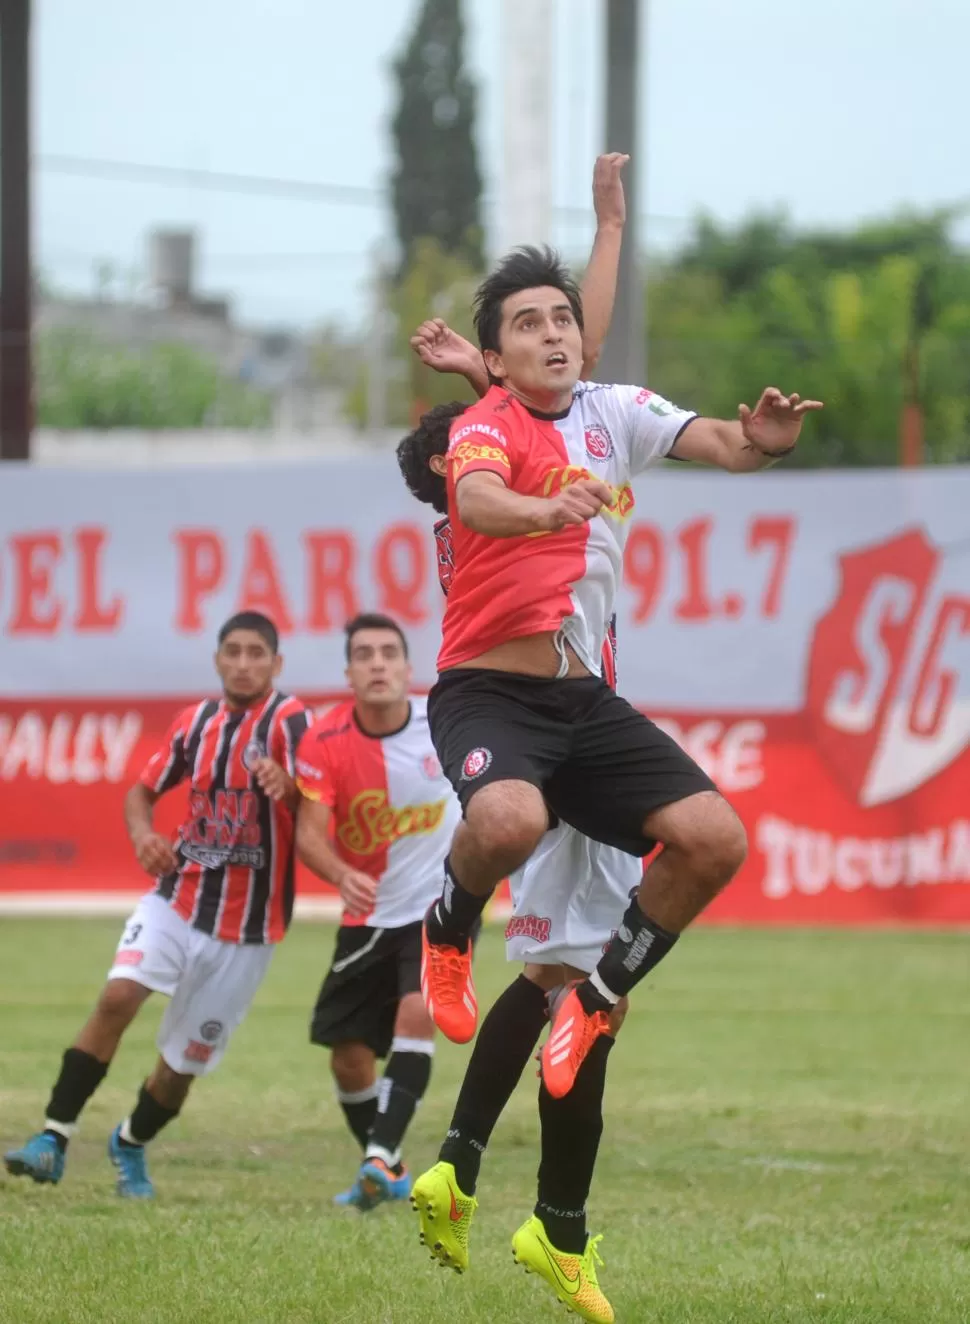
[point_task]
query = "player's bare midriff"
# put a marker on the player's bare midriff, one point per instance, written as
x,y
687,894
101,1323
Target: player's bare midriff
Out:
x,y
532,655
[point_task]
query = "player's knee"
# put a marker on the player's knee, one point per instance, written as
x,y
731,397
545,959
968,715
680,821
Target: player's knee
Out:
x,y
506,820
352,1066
119,1002
721,844
168,1086
413,1021
705,832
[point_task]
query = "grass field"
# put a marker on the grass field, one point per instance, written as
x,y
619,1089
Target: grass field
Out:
x,y
787,1139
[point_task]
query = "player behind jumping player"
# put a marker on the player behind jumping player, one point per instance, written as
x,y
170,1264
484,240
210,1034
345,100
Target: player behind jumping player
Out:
x,y
223,898
377,817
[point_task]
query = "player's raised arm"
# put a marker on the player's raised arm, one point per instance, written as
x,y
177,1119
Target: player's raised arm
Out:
x,y
760,437
444,350
599,283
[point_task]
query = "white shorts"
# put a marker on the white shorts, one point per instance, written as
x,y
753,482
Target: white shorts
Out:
x,y
567,900
211,983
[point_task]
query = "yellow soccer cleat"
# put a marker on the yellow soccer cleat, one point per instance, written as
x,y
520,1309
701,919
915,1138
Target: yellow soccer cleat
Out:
x,y
571,1277
446,1216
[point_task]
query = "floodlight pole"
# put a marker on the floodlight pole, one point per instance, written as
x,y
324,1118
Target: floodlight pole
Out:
x,y
625,352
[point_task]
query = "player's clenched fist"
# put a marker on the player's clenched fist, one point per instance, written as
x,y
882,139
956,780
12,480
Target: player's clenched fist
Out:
x,y
575,504
358,891
273,780
155,854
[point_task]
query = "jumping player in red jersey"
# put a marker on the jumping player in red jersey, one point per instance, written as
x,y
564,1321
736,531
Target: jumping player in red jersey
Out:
x,y
539,497
567,900
377,818
223,898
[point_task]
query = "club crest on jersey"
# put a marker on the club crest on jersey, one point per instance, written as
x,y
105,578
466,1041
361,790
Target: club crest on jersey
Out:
x,y
431,767
476,762
599,443
889,671
253,752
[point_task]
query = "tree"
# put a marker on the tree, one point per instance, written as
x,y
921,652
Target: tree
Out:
x,y
435,284
437,184
869,320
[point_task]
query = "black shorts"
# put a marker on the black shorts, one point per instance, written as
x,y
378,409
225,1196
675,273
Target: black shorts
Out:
x,y
371,971
601,765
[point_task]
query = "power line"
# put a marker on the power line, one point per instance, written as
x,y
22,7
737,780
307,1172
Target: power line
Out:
x,y
221,181
92,167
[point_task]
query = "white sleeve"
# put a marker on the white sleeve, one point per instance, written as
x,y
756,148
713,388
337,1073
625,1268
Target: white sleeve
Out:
x,y
652,424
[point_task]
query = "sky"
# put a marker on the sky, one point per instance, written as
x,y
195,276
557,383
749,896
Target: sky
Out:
x,y
834,110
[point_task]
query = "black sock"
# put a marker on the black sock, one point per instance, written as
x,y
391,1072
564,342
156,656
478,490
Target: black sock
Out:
x,y
360,1109
571,1130
147,1119
452,917
80,1076
632,953
505,1042
405,1080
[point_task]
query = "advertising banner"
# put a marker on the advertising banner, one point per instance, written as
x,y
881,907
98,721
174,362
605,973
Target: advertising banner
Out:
x,y
805,636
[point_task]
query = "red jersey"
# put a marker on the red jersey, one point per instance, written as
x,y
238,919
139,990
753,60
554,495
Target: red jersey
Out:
x,y
235,849
394,812
506,588
445,555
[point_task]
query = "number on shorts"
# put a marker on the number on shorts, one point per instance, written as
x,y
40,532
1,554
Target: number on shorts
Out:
x,y
131,934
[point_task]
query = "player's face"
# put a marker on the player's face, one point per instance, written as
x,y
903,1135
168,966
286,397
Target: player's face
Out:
x,y
378,672
247,666
540,346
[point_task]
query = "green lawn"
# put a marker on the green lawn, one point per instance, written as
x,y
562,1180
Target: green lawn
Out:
x,y
787,1139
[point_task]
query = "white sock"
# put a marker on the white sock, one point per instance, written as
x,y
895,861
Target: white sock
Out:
x,y
126,1136
65,1129
602,989
375,1151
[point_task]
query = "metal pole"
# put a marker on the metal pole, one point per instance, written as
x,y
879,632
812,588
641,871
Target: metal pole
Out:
x,y
625,353
15,267
525,195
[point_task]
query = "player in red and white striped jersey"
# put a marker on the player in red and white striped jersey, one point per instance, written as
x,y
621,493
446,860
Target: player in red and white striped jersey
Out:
x,y
376,821
223,898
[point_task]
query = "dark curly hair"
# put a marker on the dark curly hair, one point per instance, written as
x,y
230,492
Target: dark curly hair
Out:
x,y
414,454
524,268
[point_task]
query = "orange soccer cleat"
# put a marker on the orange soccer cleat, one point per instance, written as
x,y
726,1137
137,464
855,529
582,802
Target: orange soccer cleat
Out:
x,y
448,989
573,1033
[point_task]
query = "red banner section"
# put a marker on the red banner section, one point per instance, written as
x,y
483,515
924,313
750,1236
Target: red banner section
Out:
x,y
832,838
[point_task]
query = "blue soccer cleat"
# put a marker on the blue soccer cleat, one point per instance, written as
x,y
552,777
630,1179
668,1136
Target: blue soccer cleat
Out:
x,y
379,1185
134,1182
41,1159
349,1199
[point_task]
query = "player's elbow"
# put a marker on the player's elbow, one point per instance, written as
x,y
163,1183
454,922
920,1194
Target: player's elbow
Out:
x,y
471,509
139,796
